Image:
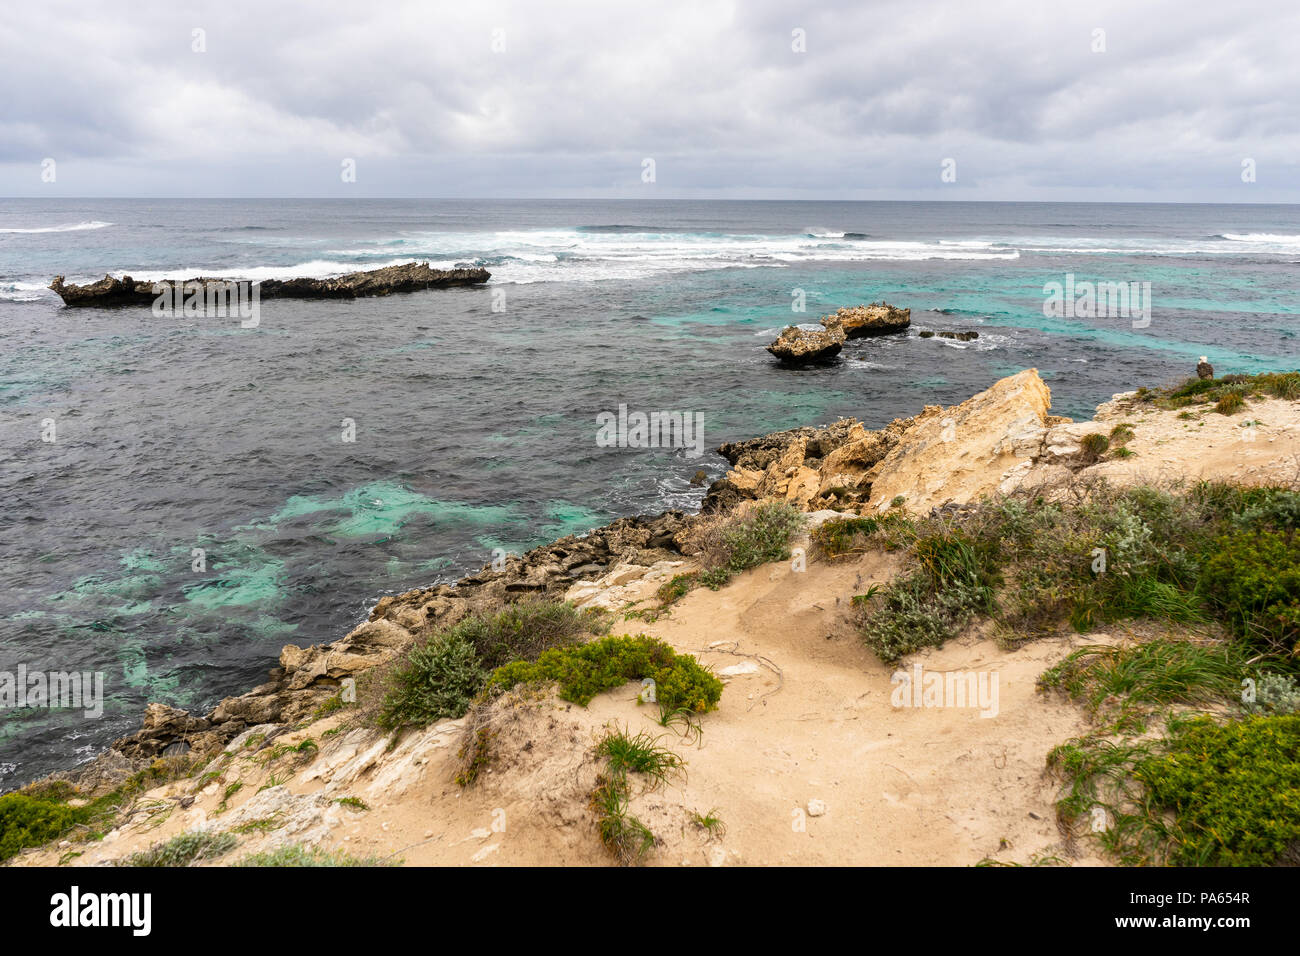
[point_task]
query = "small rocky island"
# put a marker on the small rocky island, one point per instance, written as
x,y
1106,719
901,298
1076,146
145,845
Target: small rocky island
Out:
x,y
409,277
796,346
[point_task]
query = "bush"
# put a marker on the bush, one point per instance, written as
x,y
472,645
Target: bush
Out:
x,y
437,681
586,670
676,588
911,614
26,821
746,540
1253,578
298,855
523,630
1232,790
1093,446
1230,403
184,850
843,535
1275,694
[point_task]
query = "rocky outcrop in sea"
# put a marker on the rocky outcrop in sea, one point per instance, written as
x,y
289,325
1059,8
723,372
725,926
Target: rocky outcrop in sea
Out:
x,y
410,277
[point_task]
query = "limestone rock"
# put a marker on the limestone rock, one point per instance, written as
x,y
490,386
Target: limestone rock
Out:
x,y
861,321
796,346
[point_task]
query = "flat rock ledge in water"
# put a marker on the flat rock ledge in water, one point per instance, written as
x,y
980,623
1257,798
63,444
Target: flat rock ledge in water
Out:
x,y
409,277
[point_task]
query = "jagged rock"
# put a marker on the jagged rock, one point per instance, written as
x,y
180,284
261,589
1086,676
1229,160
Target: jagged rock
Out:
x,y
861,321
959,336
796,346
408,277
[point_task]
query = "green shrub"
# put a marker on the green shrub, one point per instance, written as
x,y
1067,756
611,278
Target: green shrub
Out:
x,y
740,542
1275,694
26,821
910,614
299,855
1121,433
585,670
1232,790
1093,446
1230,403
1253,578
437,681
523,630
1280,384
677,587
842,535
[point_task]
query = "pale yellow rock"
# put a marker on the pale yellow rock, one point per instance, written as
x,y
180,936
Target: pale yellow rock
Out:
x,y
964,452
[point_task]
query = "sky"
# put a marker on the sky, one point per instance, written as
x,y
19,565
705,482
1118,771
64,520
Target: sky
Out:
x,y
1033,100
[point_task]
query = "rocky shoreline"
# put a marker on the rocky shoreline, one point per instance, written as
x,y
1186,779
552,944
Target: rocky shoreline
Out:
x,y
410,277
1000,441
813,468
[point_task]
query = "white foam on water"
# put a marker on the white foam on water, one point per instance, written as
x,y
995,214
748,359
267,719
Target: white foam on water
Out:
x,y
73,227
24,292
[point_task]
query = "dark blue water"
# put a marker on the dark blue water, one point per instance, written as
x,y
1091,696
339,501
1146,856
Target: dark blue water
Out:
x,y
475,428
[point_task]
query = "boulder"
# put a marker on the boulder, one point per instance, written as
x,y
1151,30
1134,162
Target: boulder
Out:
x,y
862,321
796,346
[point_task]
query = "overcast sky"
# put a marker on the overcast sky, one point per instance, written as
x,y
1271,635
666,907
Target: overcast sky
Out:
x,y
577,95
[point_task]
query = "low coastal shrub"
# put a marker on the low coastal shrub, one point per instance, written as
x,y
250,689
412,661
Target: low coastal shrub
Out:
x,y
1230,403
739,542
437,681
521,631
298,855
954,583
440,675
677,587
27,821
1201,391
1231,789
1275,694
585,670
184,850
1184,555
1092,446
840,536
1253,579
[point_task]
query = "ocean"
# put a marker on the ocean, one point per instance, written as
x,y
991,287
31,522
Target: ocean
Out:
x,y
200,505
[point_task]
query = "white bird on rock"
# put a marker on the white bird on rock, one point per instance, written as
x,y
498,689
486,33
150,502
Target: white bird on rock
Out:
x,y
1204,369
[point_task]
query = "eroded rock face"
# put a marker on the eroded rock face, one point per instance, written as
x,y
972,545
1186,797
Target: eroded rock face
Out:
x,y
796,346
862,321
409,277
964,452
